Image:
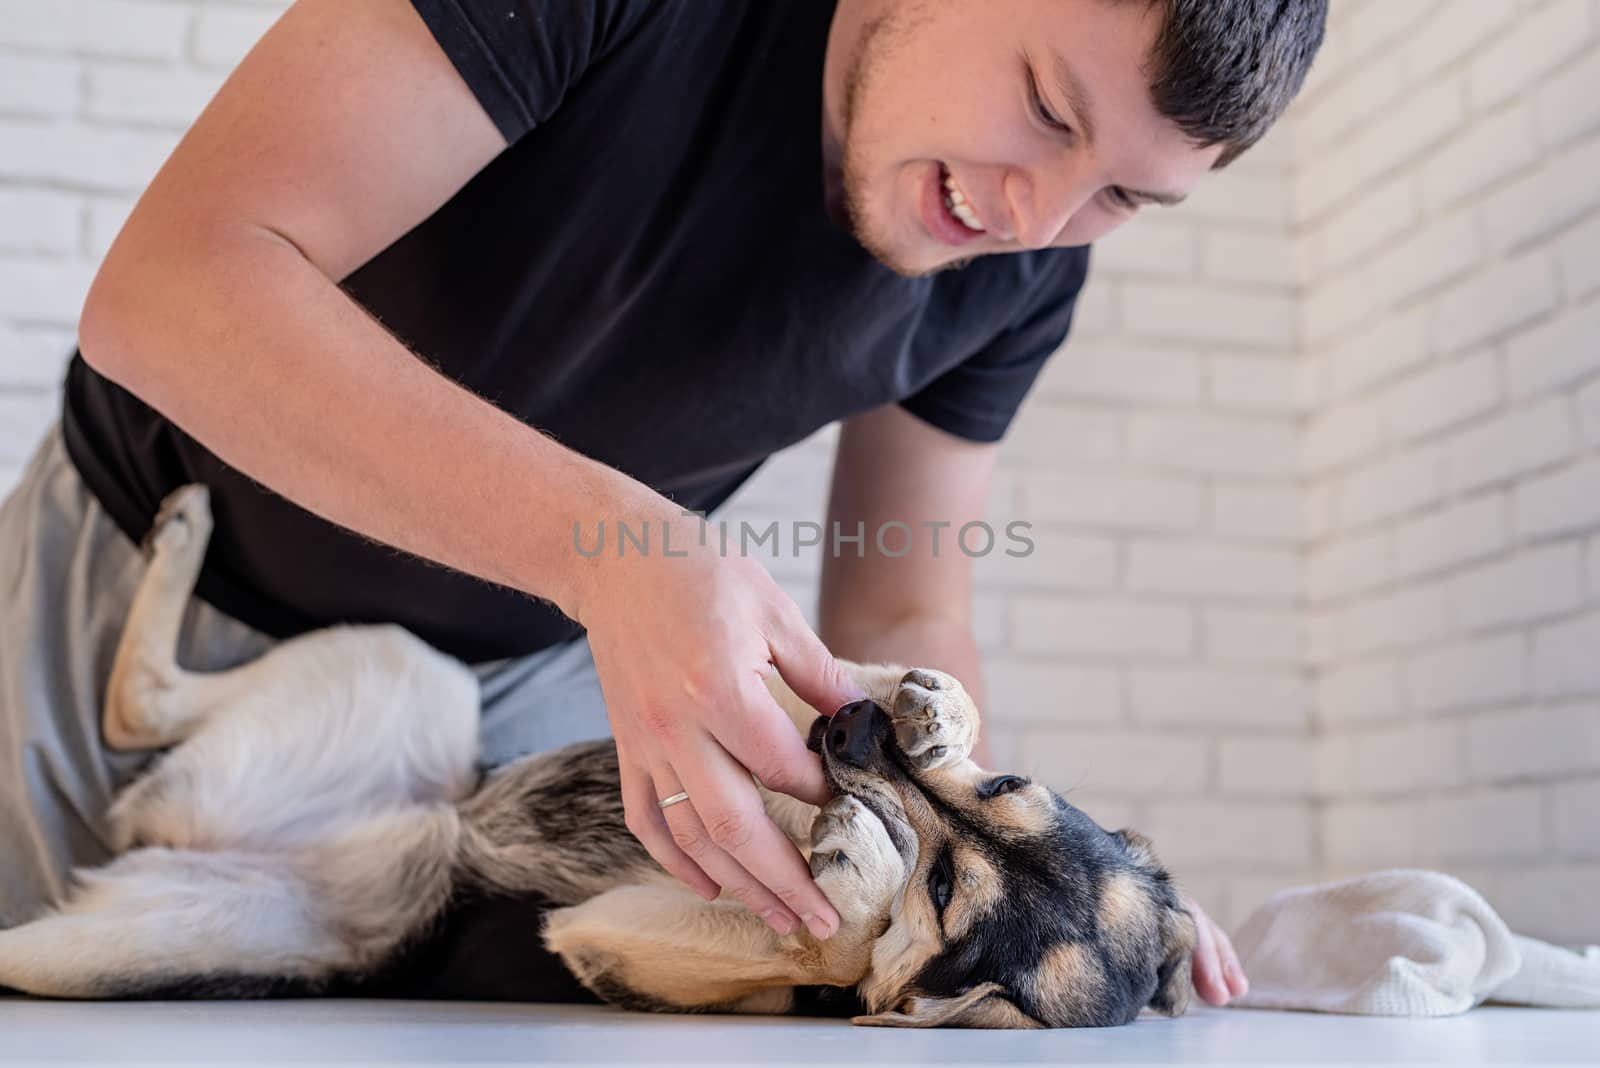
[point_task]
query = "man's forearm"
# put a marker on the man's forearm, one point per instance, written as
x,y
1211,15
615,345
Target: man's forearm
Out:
x,y
940,643
254,352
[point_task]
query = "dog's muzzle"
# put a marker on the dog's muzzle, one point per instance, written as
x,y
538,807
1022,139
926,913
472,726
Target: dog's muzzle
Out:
x,y
855,744
852,735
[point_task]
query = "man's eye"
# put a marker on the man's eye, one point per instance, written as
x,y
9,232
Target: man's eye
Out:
x,y
1121,198
1042,109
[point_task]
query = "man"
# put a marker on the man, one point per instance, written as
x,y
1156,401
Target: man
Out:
x,y
638,246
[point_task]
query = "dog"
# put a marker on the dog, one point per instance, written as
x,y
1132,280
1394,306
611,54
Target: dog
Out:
x,y
315,824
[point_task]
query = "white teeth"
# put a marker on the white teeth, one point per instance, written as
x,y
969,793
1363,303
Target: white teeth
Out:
x,y
958,206
965,214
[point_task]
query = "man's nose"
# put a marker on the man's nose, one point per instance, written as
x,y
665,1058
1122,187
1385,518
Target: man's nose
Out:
x,y
1044,204
851,733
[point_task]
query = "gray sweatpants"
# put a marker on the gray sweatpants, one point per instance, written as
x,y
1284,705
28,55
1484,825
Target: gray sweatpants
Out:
x,y
67,579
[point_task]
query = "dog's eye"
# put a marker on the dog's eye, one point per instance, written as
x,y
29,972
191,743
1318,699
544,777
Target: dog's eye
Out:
x,y
939,885
1003,785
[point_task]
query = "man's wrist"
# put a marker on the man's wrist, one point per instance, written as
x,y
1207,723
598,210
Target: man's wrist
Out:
x,y
584,547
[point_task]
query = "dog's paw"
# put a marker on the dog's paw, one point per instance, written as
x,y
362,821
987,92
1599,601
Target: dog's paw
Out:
x,y
839,833
183,520
934,719
853,859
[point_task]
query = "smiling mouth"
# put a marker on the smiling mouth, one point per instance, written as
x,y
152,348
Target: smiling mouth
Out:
x,y
955,203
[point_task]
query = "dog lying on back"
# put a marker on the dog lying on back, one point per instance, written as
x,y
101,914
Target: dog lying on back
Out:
x,y
318,827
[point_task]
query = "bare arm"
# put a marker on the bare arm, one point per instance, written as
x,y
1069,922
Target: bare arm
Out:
x,y
218,305
914,609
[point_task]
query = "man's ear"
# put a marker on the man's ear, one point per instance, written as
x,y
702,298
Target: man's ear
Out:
x,y
982,1006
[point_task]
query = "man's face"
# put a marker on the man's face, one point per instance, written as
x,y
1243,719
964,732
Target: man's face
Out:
x,y
1034,114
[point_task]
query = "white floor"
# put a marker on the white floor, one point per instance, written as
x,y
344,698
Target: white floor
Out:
x,y
356,1032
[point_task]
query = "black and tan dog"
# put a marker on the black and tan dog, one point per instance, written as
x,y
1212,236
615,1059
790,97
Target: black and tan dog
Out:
x,y
318,827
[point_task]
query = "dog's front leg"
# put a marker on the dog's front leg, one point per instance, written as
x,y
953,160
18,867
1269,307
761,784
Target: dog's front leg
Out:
x,y
856,864
936,720
655,945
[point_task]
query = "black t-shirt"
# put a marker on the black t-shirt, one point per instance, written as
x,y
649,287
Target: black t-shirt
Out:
x,y
647,273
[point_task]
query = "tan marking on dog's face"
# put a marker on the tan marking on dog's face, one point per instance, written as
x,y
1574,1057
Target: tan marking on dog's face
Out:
x,y
976,891
1028,811
1070,976
1123,903
1128,922
912,940
1021,812
1024,811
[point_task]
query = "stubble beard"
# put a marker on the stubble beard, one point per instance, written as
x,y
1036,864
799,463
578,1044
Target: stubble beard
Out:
x,y
854,164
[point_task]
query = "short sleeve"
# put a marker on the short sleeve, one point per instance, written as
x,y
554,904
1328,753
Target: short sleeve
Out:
x,y
519,57
978,398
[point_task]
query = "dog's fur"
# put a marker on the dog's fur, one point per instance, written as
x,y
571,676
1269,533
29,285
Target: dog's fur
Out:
x,y
317,827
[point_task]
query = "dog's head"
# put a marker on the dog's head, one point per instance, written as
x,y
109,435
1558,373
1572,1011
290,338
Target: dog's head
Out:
x,y
1018,910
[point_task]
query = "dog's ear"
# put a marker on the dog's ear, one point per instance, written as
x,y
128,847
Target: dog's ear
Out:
x,y
984,1006
1175,926
1140,851
1173,981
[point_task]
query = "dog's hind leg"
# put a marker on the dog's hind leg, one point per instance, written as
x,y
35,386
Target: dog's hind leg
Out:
x,y
151,702
275,751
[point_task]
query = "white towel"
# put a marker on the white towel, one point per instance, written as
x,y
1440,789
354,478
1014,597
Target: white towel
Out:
x,y
1402,943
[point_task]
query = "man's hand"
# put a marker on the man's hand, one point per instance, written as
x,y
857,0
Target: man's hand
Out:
x,y
1217,975
683,646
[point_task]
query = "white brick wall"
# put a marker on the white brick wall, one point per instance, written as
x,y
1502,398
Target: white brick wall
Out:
x,y
1455,714
1314,486
93,96
1175,699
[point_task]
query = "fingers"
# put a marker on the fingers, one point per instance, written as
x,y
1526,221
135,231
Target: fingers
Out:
x,y
646,819
1207,966
806,665
1207,980
728,833
729,728
767,744
1232,970
690,834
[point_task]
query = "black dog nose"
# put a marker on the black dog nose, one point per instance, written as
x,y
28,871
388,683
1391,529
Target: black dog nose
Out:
x,y
851,732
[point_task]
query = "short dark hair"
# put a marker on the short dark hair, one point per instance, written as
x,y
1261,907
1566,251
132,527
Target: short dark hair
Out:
x,y
1224,70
